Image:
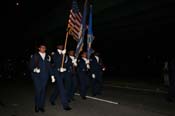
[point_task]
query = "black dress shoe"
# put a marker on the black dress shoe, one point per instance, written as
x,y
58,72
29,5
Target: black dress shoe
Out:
x,y
42,109
73,99
52,103
83,97
36,109
67,108
93,95
99,93
169,99
69,101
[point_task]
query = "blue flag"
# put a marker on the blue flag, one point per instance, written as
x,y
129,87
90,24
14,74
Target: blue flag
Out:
x,y
90,36
80,43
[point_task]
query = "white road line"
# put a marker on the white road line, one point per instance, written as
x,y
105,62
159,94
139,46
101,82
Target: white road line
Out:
x,y
98,99
138,89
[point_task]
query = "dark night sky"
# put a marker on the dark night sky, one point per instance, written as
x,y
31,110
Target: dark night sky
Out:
x,y
131,30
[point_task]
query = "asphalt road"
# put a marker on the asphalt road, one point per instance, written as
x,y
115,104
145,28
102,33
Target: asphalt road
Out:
x,y
16,99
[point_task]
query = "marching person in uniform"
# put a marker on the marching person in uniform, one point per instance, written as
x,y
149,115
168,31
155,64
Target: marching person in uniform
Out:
x,y
171,70
70,75
82,70
40,71
59,75
96,73
165,74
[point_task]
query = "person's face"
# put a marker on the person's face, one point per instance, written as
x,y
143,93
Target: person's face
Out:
x,y
84,55
60,47
71,53
97,54
42,49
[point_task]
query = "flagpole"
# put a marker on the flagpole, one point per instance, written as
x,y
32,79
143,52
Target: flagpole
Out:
x,y
65,44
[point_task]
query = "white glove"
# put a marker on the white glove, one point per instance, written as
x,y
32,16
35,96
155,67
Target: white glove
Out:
x,y
52,79
87,61
63,51
36,70
62,69
88,66
103,69
74,61
93,76
75,64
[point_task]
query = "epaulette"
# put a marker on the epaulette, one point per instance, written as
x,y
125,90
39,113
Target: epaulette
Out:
x,y
52,53
31,56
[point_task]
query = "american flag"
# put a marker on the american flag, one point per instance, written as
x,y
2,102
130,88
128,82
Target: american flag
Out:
x,y
74,23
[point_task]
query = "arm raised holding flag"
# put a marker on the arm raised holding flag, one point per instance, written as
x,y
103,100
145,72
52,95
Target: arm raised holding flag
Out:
x,y
73,27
